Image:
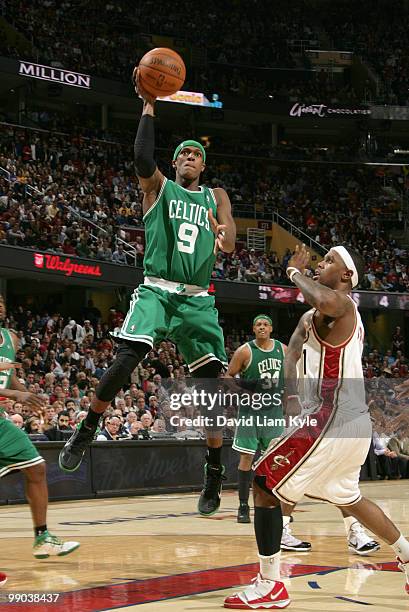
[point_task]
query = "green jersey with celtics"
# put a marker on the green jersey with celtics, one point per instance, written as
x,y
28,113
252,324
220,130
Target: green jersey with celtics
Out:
x,y
260,416
173,301
16,449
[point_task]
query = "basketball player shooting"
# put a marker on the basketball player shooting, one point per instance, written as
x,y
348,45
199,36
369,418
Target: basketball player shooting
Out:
x,y
185,225
322,460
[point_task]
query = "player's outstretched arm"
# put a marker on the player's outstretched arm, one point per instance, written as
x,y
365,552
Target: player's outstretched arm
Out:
x,y
224,227
149,175
17,390
328,301
292,356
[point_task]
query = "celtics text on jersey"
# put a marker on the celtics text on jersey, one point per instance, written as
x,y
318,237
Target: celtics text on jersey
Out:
x,y
266,366
179,238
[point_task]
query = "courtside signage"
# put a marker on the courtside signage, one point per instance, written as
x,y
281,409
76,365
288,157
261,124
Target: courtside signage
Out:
x,y
55,75
64,265
194,98
322,110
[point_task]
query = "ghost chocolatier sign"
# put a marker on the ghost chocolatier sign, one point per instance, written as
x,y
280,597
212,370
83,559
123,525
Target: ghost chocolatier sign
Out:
x,y
65,265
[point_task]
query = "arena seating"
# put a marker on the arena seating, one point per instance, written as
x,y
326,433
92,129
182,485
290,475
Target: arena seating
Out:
x,y
112,43
90,190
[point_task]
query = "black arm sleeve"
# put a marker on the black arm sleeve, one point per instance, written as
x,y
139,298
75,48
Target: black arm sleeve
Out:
x,y
144,147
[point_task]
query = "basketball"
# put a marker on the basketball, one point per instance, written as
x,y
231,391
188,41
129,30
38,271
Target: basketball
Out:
x,y
162,72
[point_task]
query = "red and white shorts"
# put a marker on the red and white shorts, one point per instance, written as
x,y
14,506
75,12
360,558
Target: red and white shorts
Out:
x,y
323,463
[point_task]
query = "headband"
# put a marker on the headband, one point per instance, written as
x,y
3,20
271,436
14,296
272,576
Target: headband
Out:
x,y
348,261
189,143
261,316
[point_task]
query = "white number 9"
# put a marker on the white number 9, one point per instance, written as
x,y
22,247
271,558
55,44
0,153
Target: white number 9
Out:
x,y
187,235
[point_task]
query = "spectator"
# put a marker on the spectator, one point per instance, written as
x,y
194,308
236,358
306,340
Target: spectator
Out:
x,y
110,430
119,255
146,420
62,430
387,460
399,445
73,331
17,419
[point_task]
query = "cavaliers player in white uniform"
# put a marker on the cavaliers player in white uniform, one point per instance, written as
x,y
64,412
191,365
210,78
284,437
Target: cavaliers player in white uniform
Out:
x,y
323,458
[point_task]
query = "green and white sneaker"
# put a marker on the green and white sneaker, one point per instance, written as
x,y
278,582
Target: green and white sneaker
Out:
x,y
46,545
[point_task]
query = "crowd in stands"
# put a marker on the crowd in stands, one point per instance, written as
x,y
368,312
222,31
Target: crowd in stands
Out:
x,y
63,360
79,196
231,43
376,31
117,32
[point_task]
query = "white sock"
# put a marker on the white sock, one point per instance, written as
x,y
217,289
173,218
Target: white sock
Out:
x,y
270,566
401,548
348,522
286,520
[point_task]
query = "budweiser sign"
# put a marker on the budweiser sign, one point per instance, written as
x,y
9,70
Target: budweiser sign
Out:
x,y
55,262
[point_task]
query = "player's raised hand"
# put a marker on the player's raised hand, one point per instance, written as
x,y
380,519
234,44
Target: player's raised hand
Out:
x,y
218,230
402,390
29,399
139,90
292,406
300,258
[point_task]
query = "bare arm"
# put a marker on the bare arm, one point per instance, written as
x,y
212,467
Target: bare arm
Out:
x,y
328,301
17,391
225,241
239,361
293,354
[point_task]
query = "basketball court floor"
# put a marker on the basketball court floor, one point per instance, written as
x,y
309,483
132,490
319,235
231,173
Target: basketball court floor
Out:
x,y
155,553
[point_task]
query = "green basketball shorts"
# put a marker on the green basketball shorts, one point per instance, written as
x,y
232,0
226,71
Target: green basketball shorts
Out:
x,y
256,429
17,452
190,321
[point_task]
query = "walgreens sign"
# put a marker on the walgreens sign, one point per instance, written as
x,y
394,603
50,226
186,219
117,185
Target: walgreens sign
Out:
x,y
65,265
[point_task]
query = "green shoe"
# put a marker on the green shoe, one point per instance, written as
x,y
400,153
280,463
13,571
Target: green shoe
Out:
x,y
46,545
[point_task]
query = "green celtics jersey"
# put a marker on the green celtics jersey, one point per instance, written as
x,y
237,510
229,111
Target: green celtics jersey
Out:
x,y
266,366
7,354
179,238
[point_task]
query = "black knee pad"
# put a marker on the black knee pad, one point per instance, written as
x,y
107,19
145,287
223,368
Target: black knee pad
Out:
x,y
210,382
127,358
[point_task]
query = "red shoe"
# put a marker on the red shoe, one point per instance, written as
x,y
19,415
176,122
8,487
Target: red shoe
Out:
x,y
404,567
3,579
261,595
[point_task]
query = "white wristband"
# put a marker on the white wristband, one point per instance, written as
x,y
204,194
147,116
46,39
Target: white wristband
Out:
x,y
291,271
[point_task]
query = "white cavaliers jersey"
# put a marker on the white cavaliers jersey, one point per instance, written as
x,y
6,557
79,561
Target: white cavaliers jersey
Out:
x,y
324,364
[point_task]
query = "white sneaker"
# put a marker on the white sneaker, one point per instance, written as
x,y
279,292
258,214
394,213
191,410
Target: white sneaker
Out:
x,y
46,545
261,595
289,542
404,567
359,542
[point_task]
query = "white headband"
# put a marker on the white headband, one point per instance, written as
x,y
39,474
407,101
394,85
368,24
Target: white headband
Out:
x,y
348,261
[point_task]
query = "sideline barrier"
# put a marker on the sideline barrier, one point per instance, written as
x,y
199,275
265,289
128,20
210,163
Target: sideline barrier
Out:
x,y
127,468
